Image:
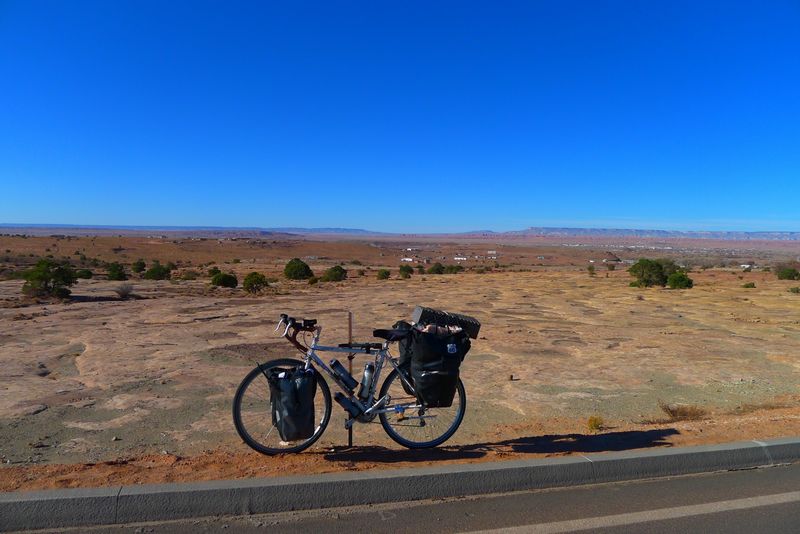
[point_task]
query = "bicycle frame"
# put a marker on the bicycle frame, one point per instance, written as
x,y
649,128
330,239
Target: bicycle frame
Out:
x,y
381,357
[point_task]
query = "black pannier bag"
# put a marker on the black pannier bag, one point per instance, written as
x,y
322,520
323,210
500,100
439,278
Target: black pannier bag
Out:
x,y
436,358
292,397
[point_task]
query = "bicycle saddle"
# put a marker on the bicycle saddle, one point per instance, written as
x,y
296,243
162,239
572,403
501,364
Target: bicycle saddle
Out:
x,y
390,335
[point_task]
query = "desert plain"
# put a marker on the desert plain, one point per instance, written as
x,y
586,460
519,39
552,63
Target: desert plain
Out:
x,y
99,390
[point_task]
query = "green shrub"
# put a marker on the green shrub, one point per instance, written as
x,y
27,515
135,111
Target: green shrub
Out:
x,y
420,269
236,260
297,269
356,262
591,270
406,271
255,282
337,273
383,274
749,285
436,268
787,273
157,272
225,280
214,271
679,280
795,290
611,266
116,271
49,279
652,272
138,266
83,273
171,266
453,269
313,280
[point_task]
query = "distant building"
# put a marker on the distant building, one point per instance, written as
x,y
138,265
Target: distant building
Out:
x,y
407,259
460,258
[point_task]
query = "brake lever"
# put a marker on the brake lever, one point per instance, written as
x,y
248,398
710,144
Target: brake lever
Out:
x,y
279,325
288,326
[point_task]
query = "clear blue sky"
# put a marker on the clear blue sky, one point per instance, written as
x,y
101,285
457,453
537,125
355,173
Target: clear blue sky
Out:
x,y
401,116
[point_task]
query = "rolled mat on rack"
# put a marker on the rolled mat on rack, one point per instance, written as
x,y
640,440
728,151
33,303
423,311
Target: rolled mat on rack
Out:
x,y
470,325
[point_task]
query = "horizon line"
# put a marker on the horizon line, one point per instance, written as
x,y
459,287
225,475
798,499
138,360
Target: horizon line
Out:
x,y
341,229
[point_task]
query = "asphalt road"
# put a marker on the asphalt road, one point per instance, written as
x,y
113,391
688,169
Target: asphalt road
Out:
x,y
758,500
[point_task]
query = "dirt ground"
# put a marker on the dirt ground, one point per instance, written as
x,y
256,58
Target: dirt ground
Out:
x,y
106,391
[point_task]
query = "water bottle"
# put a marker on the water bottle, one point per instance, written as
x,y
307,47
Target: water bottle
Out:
x,y
347,404
366,381
339,370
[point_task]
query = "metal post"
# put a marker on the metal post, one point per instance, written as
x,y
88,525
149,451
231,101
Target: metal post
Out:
x,y
350,367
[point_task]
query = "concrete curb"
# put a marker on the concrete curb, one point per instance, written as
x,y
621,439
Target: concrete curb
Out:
x,y
130,504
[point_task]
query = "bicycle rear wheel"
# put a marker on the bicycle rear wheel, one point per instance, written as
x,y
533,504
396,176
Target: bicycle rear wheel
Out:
x,y
252,411
416,427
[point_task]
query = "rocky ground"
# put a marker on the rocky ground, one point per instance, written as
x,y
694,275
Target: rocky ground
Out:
x,y
102,390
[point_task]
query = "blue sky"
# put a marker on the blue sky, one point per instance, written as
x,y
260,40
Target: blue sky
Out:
x,y
401,116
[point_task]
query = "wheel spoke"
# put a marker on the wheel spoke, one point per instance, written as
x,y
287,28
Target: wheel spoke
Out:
x,y
431,428
253,412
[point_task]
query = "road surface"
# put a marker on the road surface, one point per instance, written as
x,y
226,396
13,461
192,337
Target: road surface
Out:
x,y
758,500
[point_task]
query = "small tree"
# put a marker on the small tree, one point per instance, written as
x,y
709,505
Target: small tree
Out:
x,y
337,273
225,280
138,266
297,269
383,274
652,272
679,280
116,271
214,270
157,272
254,282
420,269
49,279
591,270
406,271
436,268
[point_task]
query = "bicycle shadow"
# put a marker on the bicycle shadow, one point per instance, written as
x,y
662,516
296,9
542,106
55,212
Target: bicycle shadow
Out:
x,y
549,444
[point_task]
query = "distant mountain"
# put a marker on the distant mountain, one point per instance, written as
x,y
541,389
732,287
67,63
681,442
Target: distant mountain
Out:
x,y
338,231
664,234
534,231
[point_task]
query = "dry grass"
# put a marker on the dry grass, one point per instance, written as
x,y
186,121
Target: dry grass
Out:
x,y
750,408
682,412
595,423
124,291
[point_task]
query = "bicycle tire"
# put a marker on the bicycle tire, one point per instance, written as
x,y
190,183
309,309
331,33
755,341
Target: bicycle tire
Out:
x,y
461,397
241,427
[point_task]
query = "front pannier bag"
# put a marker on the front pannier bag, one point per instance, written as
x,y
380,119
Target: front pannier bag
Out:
x,y
292,397
436,358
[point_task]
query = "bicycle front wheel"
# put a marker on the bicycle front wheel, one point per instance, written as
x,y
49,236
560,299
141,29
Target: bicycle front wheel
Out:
x,y
415,427
252,411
